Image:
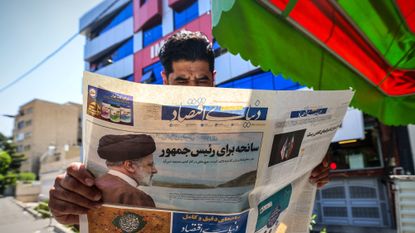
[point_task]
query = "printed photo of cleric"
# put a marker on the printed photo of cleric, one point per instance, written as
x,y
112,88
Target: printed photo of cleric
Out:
x,y
286,146
129,159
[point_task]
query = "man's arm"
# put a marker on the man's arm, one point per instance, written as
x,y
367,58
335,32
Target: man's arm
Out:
x,y
73,194
320,174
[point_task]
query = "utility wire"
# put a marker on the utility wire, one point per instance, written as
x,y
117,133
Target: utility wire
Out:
x,y
38,64
53,53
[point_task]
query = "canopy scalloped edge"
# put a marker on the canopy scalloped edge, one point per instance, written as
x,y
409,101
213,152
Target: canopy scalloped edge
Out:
x,y
269,41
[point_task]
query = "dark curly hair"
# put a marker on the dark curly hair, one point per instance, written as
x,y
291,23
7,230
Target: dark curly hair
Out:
x,y
186,45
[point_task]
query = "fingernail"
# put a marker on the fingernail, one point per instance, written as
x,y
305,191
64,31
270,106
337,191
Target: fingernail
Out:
x,y
97,206
97,197
89,181
325,163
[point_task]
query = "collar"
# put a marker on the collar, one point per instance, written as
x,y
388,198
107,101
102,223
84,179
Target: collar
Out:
x,y
124,177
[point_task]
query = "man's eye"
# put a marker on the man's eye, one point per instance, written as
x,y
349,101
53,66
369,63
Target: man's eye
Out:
x,y
180,80
203,80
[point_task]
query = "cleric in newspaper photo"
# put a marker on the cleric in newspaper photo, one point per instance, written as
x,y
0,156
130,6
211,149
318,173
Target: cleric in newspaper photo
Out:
x,y
129,159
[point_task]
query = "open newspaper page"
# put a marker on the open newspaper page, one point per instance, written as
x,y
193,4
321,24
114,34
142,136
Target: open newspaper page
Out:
x,y
200,159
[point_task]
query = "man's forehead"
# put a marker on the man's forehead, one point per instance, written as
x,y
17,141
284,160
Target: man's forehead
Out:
x,y
190,66
148,158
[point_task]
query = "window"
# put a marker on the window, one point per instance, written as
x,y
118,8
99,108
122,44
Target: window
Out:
x,y
129,78
27,135
20,125
334,193
362,154
19,148
27,147
123,51
20,137
29,110
186,15
152,74
28,123
262,81
113,56
118,18
152,34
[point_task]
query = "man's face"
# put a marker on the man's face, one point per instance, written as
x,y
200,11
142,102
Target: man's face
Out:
x,y
190,73
144,170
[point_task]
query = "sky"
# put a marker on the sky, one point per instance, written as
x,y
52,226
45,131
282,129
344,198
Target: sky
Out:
x,y
30,31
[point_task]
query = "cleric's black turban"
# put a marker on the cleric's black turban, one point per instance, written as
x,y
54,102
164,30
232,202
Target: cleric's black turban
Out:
x,y
116,148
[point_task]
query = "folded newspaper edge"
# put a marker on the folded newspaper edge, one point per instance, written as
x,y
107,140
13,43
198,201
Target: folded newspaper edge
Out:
x,y
204,159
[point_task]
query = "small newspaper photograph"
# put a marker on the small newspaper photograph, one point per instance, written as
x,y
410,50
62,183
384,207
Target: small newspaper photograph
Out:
x,y
204,159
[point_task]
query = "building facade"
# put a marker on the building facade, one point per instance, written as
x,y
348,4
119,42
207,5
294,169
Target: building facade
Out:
x,y
40,125
123,39
54,163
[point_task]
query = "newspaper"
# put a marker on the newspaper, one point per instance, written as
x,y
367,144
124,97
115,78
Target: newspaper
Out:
x,y
225,160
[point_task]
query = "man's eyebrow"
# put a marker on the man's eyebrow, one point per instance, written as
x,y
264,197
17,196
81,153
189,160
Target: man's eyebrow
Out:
x,y
203,77
180,78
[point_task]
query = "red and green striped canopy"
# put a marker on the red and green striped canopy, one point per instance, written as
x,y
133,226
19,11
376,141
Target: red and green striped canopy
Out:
x,y
328,45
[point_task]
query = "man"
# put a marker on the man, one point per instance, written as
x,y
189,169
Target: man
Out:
x,y
188,60
129,159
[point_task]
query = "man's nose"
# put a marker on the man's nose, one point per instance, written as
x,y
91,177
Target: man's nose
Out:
x,y
154,170
193,82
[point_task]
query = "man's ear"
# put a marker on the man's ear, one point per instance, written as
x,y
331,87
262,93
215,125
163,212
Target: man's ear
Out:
x,y
165,78
128,166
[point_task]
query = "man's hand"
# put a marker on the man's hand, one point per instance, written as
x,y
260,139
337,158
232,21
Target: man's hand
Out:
x,y
74,193
320,174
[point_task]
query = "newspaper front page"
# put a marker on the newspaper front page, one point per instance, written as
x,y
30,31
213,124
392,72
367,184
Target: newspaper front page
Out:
x,y
203,159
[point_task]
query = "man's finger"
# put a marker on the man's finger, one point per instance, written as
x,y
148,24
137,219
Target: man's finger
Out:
x,y
325,162
79,172
319,169
60,208
71,184
322,183
71,197
318,173
67,219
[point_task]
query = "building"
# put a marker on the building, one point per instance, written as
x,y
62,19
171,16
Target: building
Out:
x,y
123,39
41,125
54,163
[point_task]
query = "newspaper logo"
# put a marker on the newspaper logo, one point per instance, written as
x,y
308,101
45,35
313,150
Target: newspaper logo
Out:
x,y
308,112
213,113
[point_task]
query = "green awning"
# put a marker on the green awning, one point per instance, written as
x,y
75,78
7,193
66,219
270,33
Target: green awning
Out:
x,y
345,55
